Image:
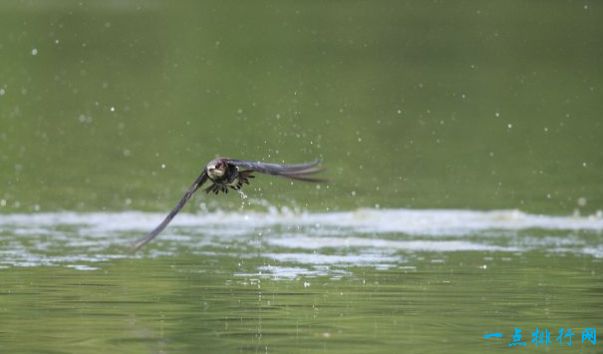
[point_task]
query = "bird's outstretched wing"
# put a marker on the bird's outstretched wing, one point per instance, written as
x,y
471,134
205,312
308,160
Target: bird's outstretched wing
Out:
x,y
302,171
189,193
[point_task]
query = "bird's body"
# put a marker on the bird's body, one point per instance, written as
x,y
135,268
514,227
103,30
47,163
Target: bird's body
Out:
x,y
224,175
227,173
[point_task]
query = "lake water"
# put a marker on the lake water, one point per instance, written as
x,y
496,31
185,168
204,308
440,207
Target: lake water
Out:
x,y
461,140
368,280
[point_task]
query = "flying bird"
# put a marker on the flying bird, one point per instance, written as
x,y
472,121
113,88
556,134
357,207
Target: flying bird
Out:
x,y
226,173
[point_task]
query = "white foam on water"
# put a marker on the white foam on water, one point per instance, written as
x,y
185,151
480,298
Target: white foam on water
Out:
x,y
330,259
408,221
305,242
298,242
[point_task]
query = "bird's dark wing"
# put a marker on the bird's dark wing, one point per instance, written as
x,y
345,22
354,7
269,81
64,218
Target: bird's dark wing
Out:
x,y
302,171
189,193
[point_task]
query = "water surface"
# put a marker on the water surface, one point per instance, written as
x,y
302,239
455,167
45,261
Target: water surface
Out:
x,y
283,281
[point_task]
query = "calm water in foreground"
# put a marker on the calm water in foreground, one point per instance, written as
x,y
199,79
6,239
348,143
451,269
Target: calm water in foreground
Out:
x,y
423,281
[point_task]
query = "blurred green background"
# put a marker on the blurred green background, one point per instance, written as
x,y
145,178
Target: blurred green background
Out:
x,y
117,105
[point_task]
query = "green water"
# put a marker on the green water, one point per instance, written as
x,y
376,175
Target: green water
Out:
x,y
112,107
417,104
193,304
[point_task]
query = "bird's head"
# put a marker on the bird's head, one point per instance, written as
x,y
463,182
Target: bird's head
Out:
x,y
216,168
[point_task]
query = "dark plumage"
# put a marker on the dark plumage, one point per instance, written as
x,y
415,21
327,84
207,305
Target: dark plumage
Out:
x,y
227,173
